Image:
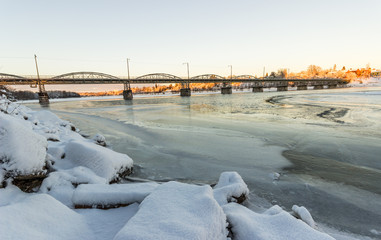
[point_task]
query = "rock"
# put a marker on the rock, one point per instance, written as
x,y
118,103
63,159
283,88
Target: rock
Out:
x,y
230,188
29,183
100,140
303,214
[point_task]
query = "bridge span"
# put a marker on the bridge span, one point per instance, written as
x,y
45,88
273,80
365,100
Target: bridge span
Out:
x,y
257,84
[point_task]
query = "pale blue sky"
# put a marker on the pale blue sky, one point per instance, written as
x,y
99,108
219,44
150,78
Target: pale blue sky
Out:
x,y
158,36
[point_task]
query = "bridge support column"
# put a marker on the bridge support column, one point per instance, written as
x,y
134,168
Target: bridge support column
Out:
x,y
185,92
127,95
257,89
301,87
281,88
43,98
319,87
226,90
332,86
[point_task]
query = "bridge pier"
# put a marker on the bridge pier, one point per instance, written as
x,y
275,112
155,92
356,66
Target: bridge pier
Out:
x,y
127,94
319,87
282,88
301,87
226,90
185,92
257,89
332,86
43,99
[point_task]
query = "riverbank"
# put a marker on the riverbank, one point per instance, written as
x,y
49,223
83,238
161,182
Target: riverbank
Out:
x,y
78,174
156,133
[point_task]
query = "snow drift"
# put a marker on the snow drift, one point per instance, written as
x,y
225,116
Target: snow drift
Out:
x,y
177,211
102,161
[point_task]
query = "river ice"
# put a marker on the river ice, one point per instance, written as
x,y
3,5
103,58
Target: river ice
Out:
x,y
324,145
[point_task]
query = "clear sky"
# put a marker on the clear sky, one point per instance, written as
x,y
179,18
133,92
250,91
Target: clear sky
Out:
x,y
159,36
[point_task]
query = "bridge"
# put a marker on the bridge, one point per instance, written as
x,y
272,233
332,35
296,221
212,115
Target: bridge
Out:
x,y
257,84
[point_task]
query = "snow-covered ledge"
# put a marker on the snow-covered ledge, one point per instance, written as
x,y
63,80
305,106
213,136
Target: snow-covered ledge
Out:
x,y
34,143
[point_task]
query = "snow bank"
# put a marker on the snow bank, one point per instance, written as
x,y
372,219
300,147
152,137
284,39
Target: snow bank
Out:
x,y
103,161
230,188
274,224
22,151
177,211
40,216
114,194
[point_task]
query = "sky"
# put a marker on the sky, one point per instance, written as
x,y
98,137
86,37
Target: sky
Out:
x,y
159,36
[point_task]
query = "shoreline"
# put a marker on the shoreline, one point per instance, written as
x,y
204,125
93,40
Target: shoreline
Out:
x,y
302,166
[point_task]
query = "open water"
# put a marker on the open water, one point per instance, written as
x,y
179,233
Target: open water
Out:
x,y
325,144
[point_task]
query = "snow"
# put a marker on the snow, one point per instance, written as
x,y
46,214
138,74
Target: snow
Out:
x,y
303,214
102,194
230,186
274,224
81,172
22,151
106,224
177,211
39,216
61,184
370,82
275,176
100,139
102,161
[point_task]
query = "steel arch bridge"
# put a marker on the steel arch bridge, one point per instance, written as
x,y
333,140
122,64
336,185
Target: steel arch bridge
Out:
x,y
245,77
207,77
85,75
11,77
158,76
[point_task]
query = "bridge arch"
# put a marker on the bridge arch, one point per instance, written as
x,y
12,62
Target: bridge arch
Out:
x,y
208,77
85,75
11,76
158,76
245,77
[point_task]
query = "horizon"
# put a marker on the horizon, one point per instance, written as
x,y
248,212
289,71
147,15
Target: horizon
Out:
x,y
161,36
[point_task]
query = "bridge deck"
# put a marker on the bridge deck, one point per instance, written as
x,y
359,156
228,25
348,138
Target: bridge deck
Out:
x,y
32,81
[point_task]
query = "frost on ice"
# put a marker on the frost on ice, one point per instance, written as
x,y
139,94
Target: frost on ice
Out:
x,y
177,211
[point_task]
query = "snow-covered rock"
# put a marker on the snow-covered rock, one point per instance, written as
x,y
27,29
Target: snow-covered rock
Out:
x,y
61,184
102,161
22,151
100,140
114,195
303,214
177,211
274,224
39,216
230,188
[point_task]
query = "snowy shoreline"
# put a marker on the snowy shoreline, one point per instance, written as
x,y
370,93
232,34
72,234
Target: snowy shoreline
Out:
x,y
78,172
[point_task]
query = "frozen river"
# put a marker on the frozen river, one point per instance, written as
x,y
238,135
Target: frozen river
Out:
x,y
325,144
